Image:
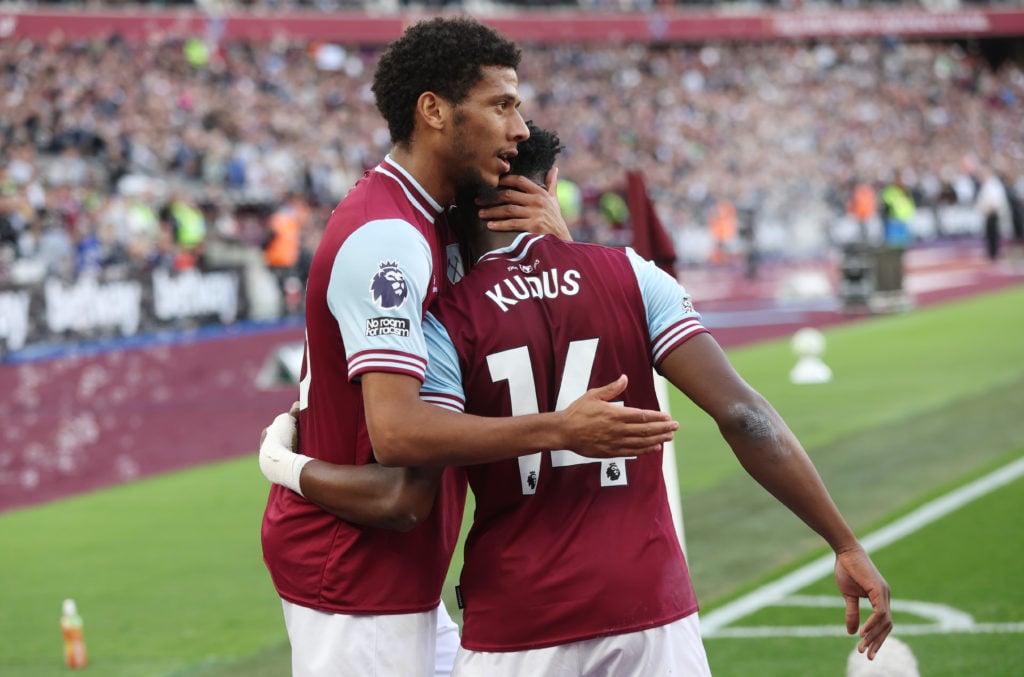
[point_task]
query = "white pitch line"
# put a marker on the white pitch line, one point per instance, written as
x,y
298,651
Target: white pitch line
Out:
x,y
825,565
839,630
945,620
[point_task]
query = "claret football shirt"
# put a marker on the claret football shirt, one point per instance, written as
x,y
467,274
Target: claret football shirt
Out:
x,y
562,547
385,254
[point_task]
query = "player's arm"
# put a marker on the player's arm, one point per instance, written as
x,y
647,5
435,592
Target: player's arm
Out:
x,y
387,353
522,205
410,424
771,454
370,495
693,361
406,431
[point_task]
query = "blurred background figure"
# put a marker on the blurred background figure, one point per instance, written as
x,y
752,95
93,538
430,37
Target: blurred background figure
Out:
x,y
570,199
993,205
1015,195
898,210
724,229
863,207
282,249
748,209
188,225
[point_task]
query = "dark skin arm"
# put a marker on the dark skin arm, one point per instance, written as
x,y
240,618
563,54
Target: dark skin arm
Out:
x,y
415,439
771,454
406,431
370,495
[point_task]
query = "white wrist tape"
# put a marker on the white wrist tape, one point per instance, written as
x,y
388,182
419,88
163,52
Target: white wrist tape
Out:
x,y
278,462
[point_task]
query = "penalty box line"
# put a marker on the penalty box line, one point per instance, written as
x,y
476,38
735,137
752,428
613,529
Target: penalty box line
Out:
x,y
771,593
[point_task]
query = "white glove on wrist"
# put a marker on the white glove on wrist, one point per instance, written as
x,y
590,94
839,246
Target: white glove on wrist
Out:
x,y
278,462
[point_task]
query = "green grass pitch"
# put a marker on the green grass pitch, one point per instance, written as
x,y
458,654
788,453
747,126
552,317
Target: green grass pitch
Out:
x,y
169,577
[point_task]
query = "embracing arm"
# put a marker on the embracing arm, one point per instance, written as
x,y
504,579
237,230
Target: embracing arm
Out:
x,y
772,455
406,431
370,495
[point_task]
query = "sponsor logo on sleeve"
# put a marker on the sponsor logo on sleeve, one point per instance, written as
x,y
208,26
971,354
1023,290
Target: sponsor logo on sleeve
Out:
x,y
688,305
388,285
387,326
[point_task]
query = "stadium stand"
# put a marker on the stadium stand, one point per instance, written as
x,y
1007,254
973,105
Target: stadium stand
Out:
x,y
120,154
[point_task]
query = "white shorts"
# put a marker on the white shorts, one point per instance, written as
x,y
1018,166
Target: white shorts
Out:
x,y
447,646
673,649
337,645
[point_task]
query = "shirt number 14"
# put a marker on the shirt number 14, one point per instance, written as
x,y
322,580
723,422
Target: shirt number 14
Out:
x,y
515,366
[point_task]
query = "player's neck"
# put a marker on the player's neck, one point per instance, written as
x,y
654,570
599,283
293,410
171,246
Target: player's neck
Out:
x,y
485,240
423,167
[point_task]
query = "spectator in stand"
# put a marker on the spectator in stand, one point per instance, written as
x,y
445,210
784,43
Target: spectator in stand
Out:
x,y
1013,215
994,207
189,224
283,246
863,207
47,242
1016,200
724,227
91,254
15,212
9,235
898,211
139,226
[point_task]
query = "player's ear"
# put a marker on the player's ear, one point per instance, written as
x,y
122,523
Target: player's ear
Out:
x,y
433,110
551,181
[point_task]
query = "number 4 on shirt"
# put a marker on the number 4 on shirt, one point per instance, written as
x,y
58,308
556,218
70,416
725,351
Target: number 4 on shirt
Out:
x,y
515,366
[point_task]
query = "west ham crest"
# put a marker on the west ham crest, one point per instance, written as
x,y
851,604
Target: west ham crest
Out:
x,y
455,268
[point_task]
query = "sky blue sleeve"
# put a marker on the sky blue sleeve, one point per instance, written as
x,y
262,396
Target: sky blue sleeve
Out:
x,y
443,383
379,280
671,317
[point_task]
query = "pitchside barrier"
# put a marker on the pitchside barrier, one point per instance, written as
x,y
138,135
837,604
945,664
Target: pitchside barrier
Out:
x,y
109,380
91,308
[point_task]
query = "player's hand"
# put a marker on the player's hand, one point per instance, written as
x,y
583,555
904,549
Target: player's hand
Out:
x,y
278,461
857,577
597,428
522,205
294,413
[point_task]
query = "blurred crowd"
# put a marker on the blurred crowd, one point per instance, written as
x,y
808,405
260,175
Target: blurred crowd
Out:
x,y
585,5
186,152
781,134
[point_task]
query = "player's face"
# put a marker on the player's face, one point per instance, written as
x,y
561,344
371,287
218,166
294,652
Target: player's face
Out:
x,y
486,128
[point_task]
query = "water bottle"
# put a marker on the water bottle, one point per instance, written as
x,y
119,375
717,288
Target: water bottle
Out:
x,y
74,639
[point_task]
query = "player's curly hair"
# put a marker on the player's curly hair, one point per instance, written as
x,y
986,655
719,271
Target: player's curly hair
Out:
x,y
537,154
443,55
